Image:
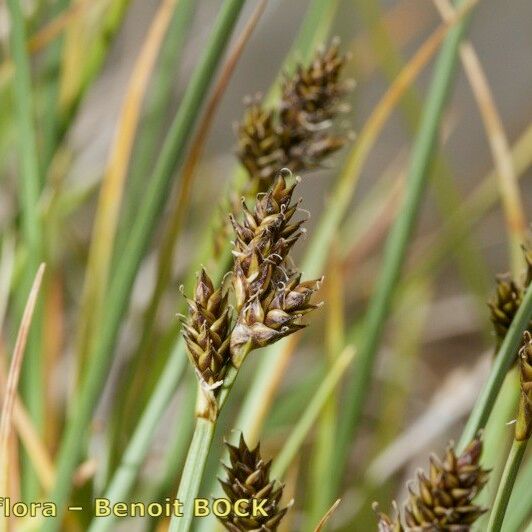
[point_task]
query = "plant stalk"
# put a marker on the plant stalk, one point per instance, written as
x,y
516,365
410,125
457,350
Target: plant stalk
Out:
x,y
120,289
30,184
396,245
509,475
126,473
193,473
503,362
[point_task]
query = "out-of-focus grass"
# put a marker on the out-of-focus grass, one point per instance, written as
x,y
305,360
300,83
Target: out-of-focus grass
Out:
x,y
55,59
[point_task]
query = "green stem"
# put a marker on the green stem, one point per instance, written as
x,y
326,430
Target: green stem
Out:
x,y
120,289
520,508
132,384
398,239
503,361
495,444
466,255
505,487
51,129
197,455
177,448
193,473
30,182
124,477
311,413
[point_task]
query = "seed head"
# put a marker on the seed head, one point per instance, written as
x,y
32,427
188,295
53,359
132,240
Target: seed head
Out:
x,y
387,523
273,315
298,133
259,143
263,240
523,427
248,477
206,330
443,499
504,304
508,297
314,94
270,300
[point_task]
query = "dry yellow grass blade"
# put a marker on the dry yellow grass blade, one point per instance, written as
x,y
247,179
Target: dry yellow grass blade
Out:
x,y
8,406
46,35
33,445
111,193
327,516
382,111
25,429
514,211
57,26
78,37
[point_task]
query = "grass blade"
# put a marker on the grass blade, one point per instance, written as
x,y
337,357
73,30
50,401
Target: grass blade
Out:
x,y
396,245
307,418
30,185
507,483
118,295
513,208
6,420
111,192
505,357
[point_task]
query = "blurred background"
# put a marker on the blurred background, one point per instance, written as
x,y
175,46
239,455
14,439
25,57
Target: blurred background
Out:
x,y
438,342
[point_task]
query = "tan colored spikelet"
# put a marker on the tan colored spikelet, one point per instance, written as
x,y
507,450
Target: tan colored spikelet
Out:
x,y
504,304
259,144
270,299
206,331
313,95
248,478
523,427
385,523
298,133
443,499
508,297
263,239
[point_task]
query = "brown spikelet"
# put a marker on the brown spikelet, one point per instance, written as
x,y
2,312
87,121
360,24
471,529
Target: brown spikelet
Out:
x,y
248,478
523,427
206,330
270,300
504,304
443,500
298,133
314,93
508,297
385,523
527,251
259,143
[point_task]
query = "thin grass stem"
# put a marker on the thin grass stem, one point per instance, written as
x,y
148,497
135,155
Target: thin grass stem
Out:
x,y
32,383
519,507
506,485
503,361
119,291
311,413
396,245
133,456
